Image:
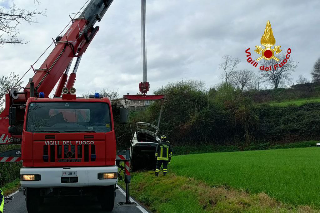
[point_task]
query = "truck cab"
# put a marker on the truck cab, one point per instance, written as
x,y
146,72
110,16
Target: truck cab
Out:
x,y
68,148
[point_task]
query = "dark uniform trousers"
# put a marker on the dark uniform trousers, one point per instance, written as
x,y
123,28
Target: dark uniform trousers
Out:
x,y
165,166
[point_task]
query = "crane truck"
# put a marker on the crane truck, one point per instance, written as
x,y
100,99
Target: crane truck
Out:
x,y
68,144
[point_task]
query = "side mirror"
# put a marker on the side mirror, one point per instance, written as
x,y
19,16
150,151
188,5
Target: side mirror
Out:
x,y
12,116
124,114
12,130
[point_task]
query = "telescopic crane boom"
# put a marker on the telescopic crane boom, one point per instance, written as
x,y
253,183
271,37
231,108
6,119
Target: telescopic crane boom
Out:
x,y
56,66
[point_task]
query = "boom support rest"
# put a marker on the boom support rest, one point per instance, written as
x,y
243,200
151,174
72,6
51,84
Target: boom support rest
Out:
x,y
144,97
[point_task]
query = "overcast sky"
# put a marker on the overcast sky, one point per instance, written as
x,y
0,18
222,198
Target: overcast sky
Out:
x,y
186,39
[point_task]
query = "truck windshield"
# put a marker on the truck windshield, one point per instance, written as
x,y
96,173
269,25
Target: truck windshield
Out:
x,y
66,117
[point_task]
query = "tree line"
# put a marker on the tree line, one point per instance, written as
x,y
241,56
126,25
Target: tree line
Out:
x,y
225,115
247,80
282,76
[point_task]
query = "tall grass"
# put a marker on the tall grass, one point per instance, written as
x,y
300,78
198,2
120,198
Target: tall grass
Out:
x,y
297,102
189,149
289,175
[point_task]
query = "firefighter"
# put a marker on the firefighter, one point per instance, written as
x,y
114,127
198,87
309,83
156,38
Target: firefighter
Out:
x,y
163,155
2,201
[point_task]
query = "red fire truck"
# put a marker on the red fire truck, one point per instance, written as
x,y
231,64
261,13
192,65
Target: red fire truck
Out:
x,y
68,144
68,147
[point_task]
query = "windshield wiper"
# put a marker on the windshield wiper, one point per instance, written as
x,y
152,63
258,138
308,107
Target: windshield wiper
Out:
x,y
80,131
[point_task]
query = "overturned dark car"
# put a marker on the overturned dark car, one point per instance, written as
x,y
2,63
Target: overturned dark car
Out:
x,y
143,146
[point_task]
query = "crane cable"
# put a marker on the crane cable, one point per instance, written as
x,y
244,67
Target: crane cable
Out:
x,y
51,43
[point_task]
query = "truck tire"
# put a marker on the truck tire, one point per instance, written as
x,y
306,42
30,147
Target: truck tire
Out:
x,y
106,197
33,200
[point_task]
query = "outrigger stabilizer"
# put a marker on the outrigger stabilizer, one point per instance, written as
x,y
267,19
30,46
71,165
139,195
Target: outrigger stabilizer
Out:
x,y
124,156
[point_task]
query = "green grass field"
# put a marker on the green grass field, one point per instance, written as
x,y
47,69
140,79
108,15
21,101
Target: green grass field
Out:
x,y
297,102
289,175
281,180
178,194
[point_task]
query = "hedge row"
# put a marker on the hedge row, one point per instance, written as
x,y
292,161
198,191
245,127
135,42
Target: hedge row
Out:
x,y
9,171
227,117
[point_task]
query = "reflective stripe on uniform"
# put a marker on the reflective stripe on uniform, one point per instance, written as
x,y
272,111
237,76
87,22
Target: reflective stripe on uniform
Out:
x,y
162,158
167,154
2,201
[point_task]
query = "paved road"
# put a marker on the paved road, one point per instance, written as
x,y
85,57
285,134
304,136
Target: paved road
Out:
x,y
70,205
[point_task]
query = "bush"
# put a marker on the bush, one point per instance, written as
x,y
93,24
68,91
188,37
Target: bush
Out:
x,y
224,116
9,171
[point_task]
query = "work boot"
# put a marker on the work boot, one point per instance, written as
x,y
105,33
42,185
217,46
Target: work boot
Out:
x,y
164,174
157,173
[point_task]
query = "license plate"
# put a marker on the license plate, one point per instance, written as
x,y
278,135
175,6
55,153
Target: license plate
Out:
x,y
69,174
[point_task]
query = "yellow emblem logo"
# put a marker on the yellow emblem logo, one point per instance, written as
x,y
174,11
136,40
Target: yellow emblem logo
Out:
x,y
268,40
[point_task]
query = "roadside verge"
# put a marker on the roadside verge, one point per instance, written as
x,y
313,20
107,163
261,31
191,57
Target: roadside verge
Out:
x,y
11,187
174,193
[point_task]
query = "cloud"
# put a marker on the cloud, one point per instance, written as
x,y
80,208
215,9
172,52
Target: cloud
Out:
x,y
5,3
186,39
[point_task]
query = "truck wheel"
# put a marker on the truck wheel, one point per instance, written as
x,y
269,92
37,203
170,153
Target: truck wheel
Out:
x,y
41,201
33,200
106,197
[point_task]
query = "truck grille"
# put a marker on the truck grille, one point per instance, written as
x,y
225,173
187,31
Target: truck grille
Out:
x,y
69,153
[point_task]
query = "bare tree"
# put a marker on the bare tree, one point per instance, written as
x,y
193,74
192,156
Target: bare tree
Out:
x,y
302,80
10,19
6,84
242,79
256,84
112,95
280,75
228,66
316,71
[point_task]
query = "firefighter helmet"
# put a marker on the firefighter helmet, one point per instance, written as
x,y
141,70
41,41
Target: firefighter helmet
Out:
x,y
163,137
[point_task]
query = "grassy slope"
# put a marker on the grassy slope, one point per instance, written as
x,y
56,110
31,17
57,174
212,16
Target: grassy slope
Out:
x,y
290,175
199,149
11,187
297,102
163,194
178,194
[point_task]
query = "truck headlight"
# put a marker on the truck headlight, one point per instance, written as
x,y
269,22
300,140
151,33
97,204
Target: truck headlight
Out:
x,y
30,177
109,175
